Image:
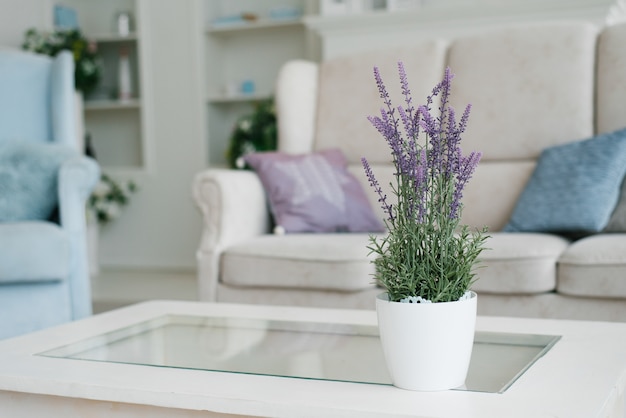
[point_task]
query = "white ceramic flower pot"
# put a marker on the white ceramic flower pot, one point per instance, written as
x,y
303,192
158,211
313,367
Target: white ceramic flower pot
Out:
x,y
427,346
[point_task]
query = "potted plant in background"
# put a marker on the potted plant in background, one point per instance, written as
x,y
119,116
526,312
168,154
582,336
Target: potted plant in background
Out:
x,y
108,197
425,263
253,132
103,206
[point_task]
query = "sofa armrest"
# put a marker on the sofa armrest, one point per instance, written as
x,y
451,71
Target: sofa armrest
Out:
x,y
234,208
77,178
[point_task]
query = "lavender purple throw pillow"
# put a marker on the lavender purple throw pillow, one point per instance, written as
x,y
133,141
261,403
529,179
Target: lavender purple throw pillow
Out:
x,y
314,192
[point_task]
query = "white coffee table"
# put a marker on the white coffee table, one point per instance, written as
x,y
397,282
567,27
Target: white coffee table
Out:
x,y
116,365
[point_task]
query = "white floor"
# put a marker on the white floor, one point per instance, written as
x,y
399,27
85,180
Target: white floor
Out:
x,y
116,287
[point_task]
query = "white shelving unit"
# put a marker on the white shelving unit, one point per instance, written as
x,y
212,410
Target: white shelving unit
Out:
x,y
116,127
238,51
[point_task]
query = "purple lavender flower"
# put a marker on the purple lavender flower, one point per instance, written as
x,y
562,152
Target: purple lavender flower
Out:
x,y
382,198
424,254
422,171
467,165
382,90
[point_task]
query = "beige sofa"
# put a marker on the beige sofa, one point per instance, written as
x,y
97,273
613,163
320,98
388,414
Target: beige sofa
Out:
x,y
531,87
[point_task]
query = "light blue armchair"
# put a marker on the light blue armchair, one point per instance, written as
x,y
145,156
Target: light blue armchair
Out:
x,y
44,183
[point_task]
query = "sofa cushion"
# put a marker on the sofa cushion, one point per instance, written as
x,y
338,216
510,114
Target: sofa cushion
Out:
x,y
574,187
28,179
520,263
314,192
504,179
594,266
33,251
305,261
348,93
530,86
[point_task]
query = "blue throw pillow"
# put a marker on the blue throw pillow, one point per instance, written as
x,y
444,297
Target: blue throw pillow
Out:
x,y
574,187
28,179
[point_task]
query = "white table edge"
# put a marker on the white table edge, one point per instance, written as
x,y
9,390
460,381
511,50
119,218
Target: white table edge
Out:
x,y
21,371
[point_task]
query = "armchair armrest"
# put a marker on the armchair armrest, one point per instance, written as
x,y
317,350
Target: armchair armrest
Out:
x,y
77,178
234,208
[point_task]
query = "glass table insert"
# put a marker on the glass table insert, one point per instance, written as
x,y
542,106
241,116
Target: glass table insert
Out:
x,y
306,350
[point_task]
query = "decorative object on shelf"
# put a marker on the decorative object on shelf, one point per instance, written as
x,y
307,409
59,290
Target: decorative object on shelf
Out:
x,y
65,17
243,17
123,23
108,198
249,16
285,13
248,87
253,132
88,65
125,83
426,261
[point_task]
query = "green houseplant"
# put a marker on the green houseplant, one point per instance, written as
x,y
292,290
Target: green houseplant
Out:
x,y
103,206
108,197
253,132
427,257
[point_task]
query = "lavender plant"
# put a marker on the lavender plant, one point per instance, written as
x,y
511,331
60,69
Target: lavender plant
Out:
x,y
427,254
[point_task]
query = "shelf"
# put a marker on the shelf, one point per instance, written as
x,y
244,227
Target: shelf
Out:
x,y
238,99
114,38
260,24
112,104
239,51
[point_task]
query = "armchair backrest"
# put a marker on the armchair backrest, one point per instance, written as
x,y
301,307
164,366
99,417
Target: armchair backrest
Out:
x,y
37,100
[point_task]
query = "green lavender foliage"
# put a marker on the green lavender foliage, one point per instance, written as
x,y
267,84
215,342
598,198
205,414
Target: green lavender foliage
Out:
x,y
431,261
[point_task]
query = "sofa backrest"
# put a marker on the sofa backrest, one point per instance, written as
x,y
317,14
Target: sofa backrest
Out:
x,y
348,94
611,79
530,86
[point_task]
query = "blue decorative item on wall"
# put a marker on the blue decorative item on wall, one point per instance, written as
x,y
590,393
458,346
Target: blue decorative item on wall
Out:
x,y
65,17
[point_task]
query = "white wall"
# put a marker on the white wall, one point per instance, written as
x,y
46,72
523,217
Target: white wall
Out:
x,y
17,16
161,227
